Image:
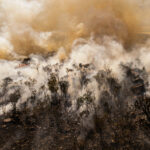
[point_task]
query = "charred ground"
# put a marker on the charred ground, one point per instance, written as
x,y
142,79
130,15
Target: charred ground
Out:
x,y
118,120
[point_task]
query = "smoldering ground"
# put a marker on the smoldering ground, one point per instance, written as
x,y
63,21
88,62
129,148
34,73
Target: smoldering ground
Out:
x,y
74,75
82,109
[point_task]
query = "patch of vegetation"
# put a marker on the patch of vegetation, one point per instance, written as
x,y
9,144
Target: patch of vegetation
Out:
x,y
53,83
87,98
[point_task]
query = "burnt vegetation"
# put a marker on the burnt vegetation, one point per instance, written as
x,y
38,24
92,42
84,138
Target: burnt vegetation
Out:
x,y
118,119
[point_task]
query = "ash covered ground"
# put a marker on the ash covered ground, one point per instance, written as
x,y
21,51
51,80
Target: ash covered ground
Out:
x,y
85,108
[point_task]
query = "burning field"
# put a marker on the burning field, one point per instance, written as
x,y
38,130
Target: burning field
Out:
x,y
74,75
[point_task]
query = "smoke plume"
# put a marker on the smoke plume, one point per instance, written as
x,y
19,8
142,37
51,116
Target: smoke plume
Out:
x,y
78,64
43,26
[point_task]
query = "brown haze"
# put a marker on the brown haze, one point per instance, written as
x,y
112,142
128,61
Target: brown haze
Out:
x,y
66,21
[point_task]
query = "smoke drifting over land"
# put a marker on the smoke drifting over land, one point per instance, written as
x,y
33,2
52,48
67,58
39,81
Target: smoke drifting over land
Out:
x,y
84,59
67,33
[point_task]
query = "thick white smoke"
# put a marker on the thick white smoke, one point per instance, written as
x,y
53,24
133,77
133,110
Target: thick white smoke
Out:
x,y
34,76
103,38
